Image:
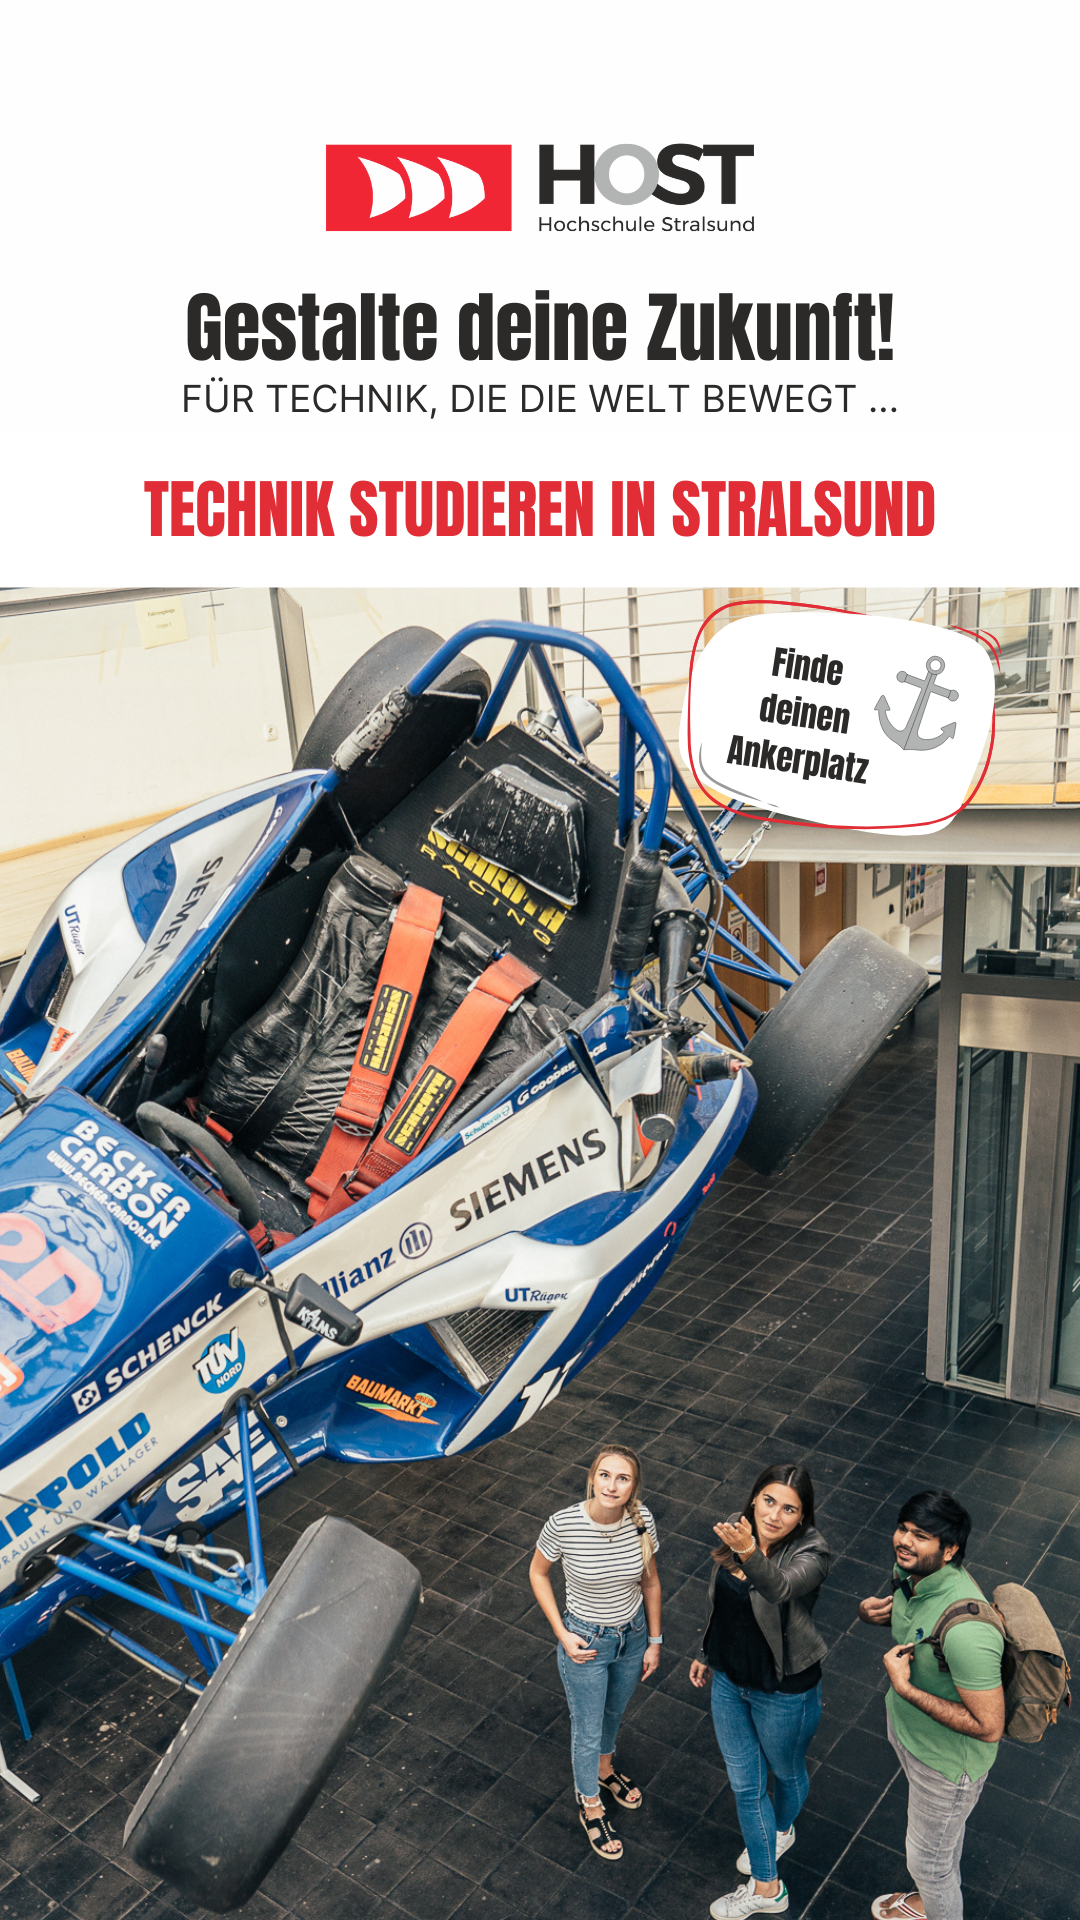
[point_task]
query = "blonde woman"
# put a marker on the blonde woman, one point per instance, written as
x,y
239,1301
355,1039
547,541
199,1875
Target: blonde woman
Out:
x,y
609,1637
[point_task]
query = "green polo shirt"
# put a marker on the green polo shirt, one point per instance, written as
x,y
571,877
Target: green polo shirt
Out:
x,y
974,1655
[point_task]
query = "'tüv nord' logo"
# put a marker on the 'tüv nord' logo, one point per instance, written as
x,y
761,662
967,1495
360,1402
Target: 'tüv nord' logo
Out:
x,y
420,189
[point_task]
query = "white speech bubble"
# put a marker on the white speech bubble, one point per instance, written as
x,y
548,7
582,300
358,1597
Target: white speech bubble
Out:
x,y
847,720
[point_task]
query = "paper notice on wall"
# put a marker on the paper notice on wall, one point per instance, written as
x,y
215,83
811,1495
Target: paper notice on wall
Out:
x,y
161,622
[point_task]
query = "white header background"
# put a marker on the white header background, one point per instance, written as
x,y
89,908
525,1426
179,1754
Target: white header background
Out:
x,y
928,152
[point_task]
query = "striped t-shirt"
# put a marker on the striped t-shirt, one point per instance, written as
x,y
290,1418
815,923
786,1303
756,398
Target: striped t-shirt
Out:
x,y
602,1564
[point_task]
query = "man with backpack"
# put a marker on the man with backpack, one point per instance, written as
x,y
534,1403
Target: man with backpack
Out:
x,y
946,1703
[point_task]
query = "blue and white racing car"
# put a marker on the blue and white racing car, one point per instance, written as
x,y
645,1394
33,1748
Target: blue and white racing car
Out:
x,y
352,1113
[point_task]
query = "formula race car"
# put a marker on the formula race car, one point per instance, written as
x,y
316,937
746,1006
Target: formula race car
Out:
x,y
352,1113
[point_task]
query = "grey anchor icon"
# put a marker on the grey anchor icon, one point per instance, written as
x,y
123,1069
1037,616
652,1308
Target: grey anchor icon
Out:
x,y
908,738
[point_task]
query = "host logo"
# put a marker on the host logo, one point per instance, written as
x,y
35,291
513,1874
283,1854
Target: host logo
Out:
x,y
428,189
592,174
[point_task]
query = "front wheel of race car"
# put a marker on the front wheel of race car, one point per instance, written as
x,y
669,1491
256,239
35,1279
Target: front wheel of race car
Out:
x,y
252,1754
810,1048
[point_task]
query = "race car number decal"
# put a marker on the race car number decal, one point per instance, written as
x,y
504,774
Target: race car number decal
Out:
x,y
543,1390
25,1291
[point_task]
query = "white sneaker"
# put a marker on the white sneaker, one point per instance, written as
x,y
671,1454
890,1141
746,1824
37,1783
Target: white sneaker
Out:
x,y
731,1906
783,1842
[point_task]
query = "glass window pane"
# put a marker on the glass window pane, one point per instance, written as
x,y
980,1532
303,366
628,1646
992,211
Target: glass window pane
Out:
x,y
1067,1346
989,1109
1023,920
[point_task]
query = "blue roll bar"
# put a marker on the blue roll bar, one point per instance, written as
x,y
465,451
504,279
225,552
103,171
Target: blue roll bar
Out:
x,y
637,730
526,637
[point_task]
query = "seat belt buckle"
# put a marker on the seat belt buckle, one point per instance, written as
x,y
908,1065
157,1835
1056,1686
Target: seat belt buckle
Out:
x,y
436,933
511,1006
357,1129
354,1186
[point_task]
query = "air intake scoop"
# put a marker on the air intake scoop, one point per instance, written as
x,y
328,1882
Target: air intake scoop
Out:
x,y
526,825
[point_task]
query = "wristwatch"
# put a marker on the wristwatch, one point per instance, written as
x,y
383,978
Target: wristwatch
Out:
x,y
656,1639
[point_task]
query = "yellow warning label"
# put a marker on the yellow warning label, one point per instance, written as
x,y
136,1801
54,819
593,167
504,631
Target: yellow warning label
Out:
x,y
391,1013
422,1108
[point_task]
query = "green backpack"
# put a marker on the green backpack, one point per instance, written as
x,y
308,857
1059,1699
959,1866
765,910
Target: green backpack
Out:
x,y
1034,1671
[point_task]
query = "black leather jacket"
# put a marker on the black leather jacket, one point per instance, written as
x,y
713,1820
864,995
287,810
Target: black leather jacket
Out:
x,y
785,1587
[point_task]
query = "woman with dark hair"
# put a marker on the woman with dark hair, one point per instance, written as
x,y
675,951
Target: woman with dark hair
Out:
x,y
764,1653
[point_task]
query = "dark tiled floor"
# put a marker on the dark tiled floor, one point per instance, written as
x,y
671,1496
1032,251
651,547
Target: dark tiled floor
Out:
x,y
792,1323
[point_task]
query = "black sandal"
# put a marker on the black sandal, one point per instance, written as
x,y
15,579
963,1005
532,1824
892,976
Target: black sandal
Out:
x,y
620,1786
599,1832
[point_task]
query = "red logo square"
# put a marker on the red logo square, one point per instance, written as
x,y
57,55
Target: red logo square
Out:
x,y
402,189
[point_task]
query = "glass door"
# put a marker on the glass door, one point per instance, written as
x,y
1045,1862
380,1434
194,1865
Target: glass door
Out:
x,y
1066,1374
989,1113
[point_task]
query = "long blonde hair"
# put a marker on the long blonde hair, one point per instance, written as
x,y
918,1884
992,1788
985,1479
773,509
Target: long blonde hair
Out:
x,y
633,1505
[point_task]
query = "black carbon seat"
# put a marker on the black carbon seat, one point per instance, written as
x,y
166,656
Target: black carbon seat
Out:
x,y
277,1080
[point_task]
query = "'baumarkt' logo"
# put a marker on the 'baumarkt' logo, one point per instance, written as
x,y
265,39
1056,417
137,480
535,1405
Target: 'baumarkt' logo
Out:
x,y
399,189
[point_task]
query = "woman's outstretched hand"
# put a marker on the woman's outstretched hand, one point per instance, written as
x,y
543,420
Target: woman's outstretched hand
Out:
x,y
650,1660
736,1534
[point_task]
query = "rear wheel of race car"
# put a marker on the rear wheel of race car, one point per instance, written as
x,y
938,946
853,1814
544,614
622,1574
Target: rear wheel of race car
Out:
x,y
810,1048
251,1756
441,721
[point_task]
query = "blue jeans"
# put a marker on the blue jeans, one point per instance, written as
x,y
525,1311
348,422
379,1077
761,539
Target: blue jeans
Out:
x,y
598,1691
757,1731
937,1815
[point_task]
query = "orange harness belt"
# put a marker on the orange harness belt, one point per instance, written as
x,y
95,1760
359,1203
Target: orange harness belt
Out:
x,y
448,1065
408,950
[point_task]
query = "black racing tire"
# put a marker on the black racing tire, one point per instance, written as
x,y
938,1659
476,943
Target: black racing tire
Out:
x,y
810,1048
388,664
251,1756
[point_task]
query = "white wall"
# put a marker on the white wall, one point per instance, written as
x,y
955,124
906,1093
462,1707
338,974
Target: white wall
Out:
x,y
342,623
874,914
99,728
